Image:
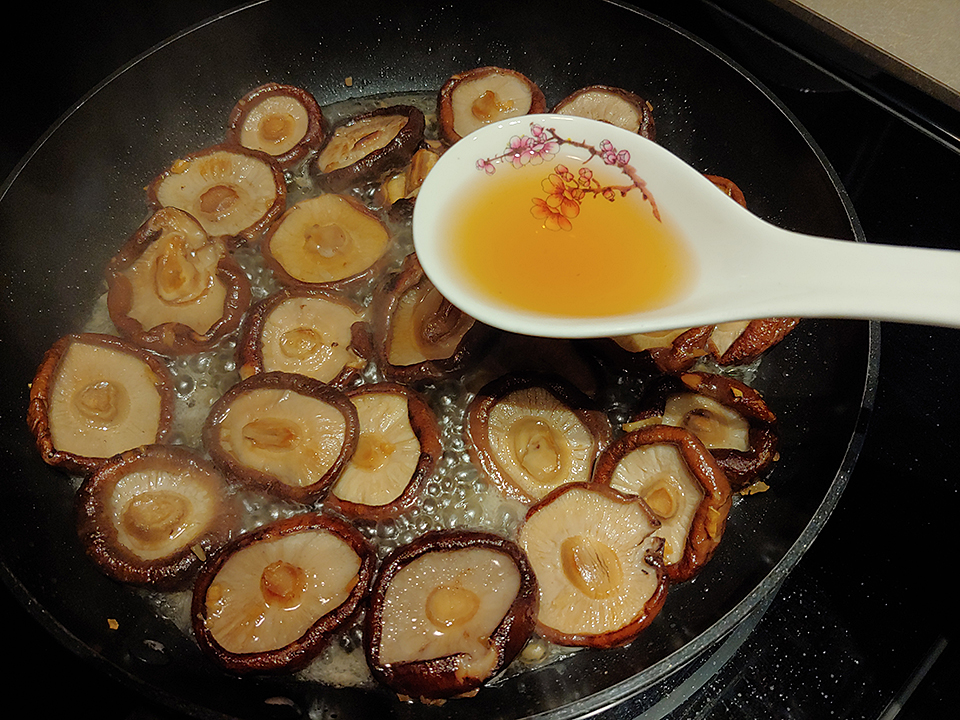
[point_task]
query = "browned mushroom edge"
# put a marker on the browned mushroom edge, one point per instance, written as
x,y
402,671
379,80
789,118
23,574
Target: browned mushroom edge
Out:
x,y
249,234
425,426
347,284
241,474
445,111
729,188
758,337
441,677
709,521
249,352
740,466
456,335
647,127
172,338
654,557
398,193
298,654
312,138
478,415
381,160
42,389
98,533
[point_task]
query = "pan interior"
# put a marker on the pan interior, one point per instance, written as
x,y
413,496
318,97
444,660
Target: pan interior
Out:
x,y
80,195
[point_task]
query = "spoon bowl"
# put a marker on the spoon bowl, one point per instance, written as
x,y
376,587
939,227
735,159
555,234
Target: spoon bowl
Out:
x,y
560,226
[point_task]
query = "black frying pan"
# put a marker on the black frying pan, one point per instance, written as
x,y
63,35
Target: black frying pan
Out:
x,y
80,194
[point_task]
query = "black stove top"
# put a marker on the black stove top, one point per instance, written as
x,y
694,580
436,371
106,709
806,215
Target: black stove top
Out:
x,y
860,629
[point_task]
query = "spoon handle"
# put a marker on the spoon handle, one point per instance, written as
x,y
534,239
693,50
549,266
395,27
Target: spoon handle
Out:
x,y
833,278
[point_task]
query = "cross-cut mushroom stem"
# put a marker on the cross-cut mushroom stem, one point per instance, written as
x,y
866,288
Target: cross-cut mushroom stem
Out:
x,y
448,612
682,483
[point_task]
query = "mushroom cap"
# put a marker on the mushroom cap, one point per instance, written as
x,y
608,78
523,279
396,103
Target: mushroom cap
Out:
x,y
477,97
284,433
96,395
613,105
368,146
397,451
231,190
173,288
449,611
531,432
272,599
598,562
308,331
147,516
682,484
283,121
729,417
416,333
329,240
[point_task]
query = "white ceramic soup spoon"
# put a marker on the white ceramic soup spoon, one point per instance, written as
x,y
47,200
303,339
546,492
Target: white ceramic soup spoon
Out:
x,y
560,226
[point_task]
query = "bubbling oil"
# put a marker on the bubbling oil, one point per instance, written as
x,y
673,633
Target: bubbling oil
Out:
x,y
455,497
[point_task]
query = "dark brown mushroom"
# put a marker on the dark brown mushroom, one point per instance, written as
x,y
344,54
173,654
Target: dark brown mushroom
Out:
x,y
305,331
739,343
283,121
681,483
231,190
530,433
729,417
416,333
149,516
398,193
448,612
272,599
174,289
599,564
326,241
397,451
286,434
469,100
94,396
366,147
729,188
612,105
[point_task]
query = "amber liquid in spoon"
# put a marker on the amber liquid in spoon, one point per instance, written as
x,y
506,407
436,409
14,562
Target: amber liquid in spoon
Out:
x,y
614,258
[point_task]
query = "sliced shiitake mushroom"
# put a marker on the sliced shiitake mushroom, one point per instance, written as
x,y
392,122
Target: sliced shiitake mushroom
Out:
x,y
669,351
417,333
148,516
738,343
681,483
283,121
469,100
174,289
330,240
231,190
398,193
530,433
305,331
598,562
97,395
368,146
272,599
612,105
729,417
448,612
397,451
284,433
